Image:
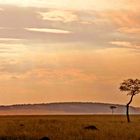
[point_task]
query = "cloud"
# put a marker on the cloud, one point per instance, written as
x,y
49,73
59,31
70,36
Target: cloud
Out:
x,y
81,26
132,5
5,41
128,30
59,15
59,76
16,68
1,9
47,25
78,73
12,50
121,43
75,5
125,44
127,21
45,30
10,39
123,18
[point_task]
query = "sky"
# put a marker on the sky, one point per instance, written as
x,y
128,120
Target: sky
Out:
x,y
68,50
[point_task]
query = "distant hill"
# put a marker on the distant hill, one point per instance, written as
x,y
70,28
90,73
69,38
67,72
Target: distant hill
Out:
x,y
65,108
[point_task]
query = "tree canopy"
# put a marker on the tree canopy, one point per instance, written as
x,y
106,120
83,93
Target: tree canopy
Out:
x,y
130,85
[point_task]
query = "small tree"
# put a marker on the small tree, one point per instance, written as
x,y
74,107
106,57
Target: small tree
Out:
x,y
112,107
132,86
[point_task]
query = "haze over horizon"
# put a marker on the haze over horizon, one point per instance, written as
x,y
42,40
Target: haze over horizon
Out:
x,y
66,50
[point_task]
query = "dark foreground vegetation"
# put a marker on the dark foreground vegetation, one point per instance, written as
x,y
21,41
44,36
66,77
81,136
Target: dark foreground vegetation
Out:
x,y
90,127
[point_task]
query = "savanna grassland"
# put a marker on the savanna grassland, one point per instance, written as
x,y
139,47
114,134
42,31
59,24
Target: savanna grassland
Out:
x,y
69,127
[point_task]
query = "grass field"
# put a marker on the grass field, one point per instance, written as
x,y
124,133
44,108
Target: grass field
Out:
x,y
69,127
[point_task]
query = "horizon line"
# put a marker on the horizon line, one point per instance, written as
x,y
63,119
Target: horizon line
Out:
x,y
20,104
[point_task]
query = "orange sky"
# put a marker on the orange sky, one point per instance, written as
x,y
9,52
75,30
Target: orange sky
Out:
x,y
66,50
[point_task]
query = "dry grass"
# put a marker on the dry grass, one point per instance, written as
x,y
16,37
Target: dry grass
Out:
x,y
69,127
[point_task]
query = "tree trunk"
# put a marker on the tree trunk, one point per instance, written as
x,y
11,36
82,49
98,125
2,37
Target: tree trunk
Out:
x,y
127,108
127,113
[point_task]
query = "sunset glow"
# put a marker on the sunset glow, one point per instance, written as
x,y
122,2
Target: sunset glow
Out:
x,y
66,50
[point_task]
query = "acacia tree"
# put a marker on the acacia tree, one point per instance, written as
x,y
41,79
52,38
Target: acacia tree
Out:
x,y
132,86
112,107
